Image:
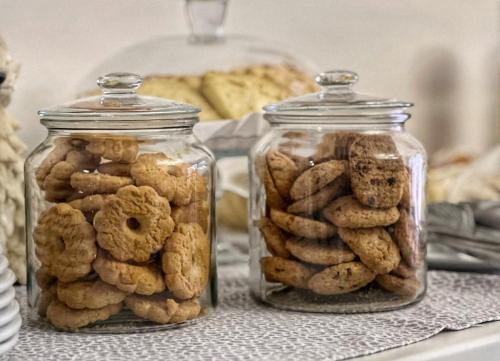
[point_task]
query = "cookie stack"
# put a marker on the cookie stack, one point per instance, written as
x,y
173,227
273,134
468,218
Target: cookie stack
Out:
x,y
122,228
341,218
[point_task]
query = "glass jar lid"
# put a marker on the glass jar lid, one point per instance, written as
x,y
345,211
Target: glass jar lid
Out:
x,y
336,101
119,106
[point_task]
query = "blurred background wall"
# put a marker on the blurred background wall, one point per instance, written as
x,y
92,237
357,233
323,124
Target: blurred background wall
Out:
x,y
442,55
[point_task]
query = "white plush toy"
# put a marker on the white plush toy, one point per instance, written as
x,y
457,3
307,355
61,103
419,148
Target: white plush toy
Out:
x,y
12,241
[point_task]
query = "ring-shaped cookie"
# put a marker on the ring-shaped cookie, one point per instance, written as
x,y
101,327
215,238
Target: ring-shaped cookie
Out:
x,y
134,223
65,242
186,260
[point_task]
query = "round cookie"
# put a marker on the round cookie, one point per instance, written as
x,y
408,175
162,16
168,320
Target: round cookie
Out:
x,y
157,308
374,246
90,183
112,147
405,287
320,199
89,294
194,212
66,318
115,168
348,212
65,242
142,279
406,237
186,261
319,252
165,176
301,226
288,272
133,223
341,278
377,171
273,197
283,171
317,177
274,237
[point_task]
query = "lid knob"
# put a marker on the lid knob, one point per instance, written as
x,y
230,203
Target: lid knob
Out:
x,y
119,83
336,78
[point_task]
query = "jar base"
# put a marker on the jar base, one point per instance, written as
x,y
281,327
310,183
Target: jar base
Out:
x,y
368,299
123,323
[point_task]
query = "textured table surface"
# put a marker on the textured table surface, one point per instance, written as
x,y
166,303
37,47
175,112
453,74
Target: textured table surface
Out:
x,y
243,329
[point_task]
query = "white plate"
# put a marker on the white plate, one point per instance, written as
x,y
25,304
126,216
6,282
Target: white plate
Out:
x,y
7,296
8,313
8,344
10,329
4,263
7,279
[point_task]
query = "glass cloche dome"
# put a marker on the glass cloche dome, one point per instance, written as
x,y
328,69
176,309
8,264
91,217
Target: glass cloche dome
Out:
x,y
227,76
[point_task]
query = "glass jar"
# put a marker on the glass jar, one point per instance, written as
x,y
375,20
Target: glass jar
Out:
x,y
120,214
337,203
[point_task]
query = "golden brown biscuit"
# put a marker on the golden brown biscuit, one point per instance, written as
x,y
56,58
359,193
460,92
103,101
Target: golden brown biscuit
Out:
x,y
89,294
341,278
288,272
66,318
62,146
194,212
348,212
401,286
274,237
57,183
90,183
283,171
181,88
142,279
113,147
134,223
317,177
405,233
157,308
165,176
89,203
273,197
301,226
186,311
186,261
115,168
320,252
65,242
235,95
162,309
320,199
374,246
377,171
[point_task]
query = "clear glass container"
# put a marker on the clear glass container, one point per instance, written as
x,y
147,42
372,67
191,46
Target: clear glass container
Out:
x,y
337,203
120,214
